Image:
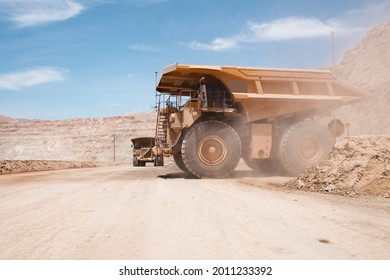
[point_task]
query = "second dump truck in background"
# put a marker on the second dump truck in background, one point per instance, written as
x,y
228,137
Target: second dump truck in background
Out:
x,y
145,150
211,116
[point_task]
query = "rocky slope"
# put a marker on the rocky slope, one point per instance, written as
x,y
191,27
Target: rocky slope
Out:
x,y
99,139
368,67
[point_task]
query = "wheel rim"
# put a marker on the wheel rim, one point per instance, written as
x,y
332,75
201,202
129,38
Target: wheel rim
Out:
x,y
212,150
310,149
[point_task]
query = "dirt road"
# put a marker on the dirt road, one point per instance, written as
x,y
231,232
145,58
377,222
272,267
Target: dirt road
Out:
x,y
121,212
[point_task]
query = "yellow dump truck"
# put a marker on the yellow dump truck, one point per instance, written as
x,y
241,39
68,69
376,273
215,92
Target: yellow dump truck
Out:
x,y
145,150
211,116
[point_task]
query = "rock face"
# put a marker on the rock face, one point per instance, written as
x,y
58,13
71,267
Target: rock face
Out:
x,y
73,139
368,67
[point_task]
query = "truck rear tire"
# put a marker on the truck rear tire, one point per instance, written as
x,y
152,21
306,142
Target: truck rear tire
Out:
x,y
211,149
137,162
302,145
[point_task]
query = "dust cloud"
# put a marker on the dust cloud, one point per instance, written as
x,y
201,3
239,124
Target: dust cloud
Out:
x,y
367,66
359,165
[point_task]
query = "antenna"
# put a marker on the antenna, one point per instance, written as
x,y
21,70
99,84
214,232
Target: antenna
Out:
x,y
332,48
155,88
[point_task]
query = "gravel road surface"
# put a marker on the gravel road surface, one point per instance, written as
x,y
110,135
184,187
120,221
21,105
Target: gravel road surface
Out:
x,y
122,212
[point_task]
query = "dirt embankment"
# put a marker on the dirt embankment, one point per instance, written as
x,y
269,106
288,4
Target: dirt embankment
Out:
x,y
358,166
19,166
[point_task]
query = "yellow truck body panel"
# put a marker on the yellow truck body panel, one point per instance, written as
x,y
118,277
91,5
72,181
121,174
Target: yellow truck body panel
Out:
x,y
262,92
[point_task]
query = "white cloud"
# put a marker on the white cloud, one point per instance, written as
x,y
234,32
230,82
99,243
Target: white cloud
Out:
x,y
35,12
32,77
143,48
289,28
352,22
277,30
216,45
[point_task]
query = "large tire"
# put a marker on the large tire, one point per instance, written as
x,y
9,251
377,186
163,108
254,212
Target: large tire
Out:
x,y
135,161
179,162
302,145
159,160
211,149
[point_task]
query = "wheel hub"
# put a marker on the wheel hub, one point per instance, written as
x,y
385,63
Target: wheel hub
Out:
x,y
310,149
212,150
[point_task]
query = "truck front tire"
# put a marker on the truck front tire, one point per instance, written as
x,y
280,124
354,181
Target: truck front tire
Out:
x,y
179,162
211,149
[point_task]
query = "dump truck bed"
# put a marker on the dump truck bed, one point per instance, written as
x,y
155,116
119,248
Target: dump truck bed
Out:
x,y
265,93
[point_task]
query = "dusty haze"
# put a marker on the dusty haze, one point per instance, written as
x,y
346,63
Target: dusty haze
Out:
x,y
368,67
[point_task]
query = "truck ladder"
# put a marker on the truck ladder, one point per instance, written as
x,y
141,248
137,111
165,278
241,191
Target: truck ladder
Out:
x,y
162,121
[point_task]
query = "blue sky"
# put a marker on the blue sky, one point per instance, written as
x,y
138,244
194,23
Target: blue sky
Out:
x,y
92,58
